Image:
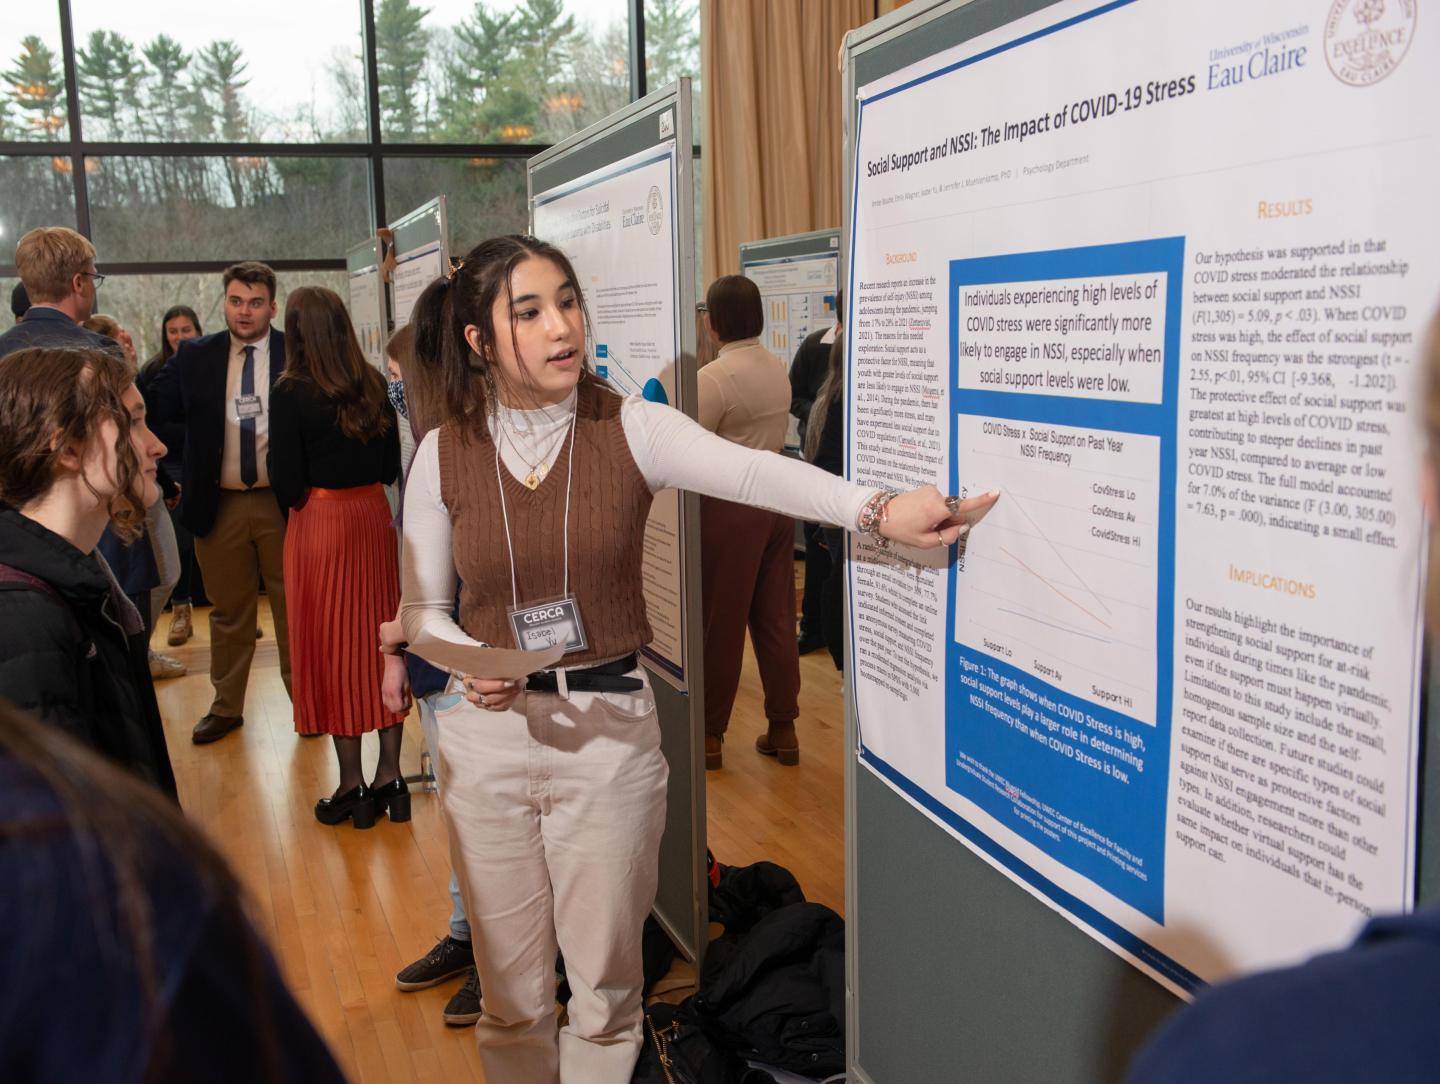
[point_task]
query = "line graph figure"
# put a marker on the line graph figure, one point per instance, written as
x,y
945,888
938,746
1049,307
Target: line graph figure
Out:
x,y
1047,583
1020,503
1061,581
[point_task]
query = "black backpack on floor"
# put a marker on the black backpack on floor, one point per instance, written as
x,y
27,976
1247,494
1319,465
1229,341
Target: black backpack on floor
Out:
x,y
677,1050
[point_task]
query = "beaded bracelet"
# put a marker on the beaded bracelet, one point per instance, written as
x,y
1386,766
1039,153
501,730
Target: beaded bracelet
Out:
x,y
875,512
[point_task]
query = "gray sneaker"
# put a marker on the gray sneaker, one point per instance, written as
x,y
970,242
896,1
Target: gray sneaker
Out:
x,y
463,1009
447,959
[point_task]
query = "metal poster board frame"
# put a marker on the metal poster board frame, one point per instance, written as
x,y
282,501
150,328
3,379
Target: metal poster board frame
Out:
x,y
940,945
368,299
658,121
421,241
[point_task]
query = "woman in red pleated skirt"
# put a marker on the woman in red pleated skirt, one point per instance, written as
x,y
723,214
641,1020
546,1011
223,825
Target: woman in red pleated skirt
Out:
x,y
334,445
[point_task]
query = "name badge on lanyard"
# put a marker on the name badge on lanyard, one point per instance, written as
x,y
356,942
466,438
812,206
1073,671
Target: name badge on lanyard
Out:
x,y
248,406
544,624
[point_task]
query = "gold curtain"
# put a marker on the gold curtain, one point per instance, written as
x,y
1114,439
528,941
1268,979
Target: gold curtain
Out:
x,y
772,126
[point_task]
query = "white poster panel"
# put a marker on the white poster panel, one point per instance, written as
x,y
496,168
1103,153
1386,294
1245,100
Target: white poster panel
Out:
x,y
415,270
367,313
1159,273
799,296
618,227
798,293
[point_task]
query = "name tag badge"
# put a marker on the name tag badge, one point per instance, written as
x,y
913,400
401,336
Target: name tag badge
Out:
x,y
545,624
248,406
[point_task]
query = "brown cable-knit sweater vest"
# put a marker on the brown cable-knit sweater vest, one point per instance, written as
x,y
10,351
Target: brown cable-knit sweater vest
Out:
x,y
609,504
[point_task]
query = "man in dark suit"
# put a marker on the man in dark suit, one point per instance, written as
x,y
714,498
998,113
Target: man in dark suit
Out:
x,y
216,391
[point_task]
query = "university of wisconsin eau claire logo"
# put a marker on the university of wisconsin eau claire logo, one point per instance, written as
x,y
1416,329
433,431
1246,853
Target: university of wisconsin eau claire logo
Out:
x,y
654,209
1365,40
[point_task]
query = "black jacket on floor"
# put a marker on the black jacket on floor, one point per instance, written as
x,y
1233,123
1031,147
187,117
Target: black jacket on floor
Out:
x,y
73,651
777,994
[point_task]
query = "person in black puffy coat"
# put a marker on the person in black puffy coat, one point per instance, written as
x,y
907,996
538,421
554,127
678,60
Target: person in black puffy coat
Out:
x,y
76,457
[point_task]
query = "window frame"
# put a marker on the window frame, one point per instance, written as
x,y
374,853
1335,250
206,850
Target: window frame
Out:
x,y
374,150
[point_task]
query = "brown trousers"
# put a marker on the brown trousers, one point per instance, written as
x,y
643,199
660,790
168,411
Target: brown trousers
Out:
x,y
246,542
748,580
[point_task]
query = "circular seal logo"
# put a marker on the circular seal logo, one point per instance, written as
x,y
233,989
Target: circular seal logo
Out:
x,y
654,212
1365,40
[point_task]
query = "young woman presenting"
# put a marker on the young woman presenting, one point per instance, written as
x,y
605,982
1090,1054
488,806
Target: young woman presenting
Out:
x,y
533,495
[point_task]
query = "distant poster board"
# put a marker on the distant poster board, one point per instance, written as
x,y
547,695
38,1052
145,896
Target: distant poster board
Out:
x,y
618,226
798,277
422,255
366,295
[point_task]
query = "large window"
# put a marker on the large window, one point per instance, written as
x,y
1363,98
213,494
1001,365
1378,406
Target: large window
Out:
x,y
34,191
288,130
672,47
166,210
273,71
32,74
499,71
484,196
139,301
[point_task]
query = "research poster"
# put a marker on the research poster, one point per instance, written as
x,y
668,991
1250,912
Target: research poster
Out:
x,y
799,297
798,293
414,270
367,313
618,227
1161,274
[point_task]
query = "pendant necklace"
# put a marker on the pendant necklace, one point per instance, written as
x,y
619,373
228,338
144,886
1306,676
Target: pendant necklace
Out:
x,y
539,465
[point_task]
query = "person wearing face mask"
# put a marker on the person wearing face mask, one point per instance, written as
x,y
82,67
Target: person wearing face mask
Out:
x,y
334,445
76,457
177,325
532,497
148,569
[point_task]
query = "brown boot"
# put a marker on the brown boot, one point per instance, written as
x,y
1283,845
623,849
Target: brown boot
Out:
x,y
780,743
714,745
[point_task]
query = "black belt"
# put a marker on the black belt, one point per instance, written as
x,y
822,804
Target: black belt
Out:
x,y
609,678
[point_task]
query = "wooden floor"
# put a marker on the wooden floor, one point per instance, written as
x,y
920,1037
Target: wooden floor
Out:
x,y
345,910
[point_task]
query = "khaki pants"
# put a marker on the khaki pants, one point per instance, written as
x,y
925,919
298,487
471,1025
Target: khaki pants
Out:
x,y
555,810
246,542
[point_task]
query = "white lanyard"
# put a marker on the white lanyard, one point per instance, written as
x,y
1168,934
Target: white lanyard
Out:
x,y
505,513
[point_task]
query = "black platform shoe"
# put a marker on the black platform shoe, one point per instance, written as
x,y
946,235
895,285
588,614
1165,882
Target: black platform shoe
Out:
x,y
356,805
393,798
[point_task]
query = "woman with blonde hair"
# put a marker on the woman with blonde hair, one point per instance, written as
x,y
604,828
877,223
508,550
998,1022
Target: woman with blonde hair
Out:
x,y
334,446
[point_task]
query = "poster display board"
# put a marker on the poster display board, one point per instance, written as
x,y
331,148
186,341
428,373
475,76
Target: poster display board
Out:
x,y
599,182
798,277
618,225
1100,262
366,297
422,254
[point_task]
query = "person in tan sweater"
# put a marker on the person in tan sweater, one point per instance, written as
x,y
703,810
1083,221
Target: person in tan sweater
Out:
x,y
747,553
